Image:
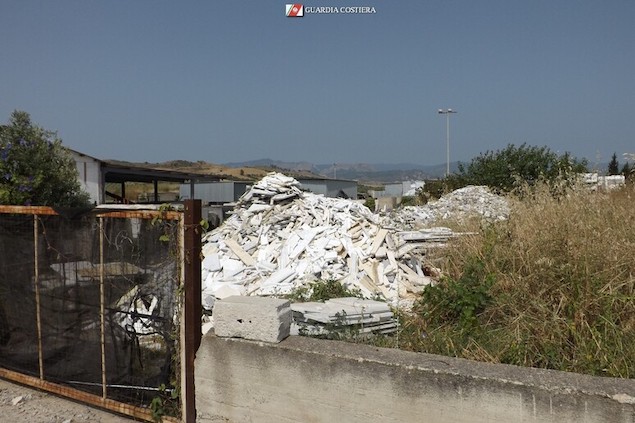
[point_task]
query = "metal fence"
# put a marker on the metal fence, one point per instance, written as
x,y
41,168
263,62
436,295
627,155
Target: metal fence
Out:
x,y
90,306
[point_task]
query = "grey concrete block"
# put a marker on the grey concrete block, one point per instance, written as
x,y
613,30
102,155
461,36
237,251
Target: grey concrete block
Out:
x,y
254,318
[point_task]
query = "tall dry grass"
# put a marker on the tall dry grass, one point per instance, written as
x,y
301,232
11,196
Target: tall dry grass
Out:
x,y
560,276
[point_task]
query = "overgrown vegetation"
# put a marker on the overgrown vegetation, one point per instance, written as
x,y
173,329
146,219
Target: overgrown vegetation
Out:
x,y
165,403
322,290
554,287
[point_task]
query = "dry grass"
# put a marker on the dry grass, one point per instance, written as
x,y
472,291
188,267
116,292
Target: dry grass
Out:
x,y
563,290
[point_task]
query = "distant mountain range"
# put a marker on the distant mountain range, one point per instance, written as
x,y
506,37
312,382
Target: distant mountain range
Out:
x,y
367,172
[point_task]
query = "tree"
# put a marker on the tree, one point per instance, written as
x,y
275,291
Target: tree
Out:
x,y
501,170
627,171
614,166
35,169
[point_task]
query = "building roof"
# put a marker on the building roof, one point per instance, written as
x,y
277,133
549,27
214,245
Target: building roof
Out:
x,y
124,173
117,172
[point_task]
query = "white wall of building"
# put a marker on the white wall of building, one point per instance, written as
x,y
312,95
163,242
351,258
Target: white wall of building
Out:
x,y
89,174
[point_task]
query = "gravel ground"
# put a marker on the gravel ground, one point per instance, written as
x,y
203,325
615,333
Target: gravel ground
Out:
x,y
19,404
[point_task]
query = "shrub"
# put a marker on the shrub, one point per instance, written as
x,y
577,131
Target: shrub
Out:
x,y
458,301
502,170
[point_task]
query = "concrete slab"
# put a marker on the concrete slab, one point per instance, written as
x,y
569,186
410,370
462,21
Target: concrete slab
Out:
x,y
253,318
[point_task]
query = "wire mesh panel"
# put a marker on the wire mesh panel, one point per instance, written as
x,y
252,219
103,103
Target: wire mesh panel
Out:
x,y
18,325
92,302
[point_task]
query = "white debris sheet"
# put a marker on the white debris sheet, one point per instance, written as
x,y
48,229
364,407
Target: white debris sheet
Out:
x,y
280,238
354,315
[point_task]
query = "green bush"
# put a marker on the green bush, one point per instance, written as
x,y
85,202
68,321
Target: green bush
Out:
x,y
458,301
503,170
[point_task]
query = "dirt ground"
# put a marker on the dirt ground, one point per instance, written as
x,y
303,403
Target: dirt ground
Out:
x,y
19,404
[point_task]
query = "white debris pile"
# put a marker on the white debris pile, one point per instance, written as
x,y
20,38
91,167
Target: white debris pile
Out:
x,y
344,316
280,238
459,204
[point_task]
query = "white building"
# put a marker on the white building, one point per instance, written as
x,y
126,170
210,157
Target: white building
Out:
x,y
398,189
94,175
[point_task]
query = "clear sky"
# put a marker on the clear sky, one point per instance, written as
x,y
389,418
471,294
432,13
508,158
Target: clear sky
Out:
x,y
224,81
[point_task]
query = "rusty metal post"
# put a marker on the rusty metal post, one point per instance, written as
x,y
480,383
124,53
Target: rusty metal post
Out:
x,y
102,307
192,308
38,312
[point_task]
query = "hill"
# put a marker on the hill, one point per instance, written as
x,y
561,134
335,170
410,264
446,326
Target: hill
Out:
x,y
363,172
369,173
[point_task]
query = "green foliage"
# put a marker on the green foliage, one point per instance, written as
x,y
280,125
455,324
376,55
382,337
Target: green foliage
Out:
x,y
370,203
35,169
165,403
614,166
458,301
437,188
503,170
156,409
408,201
322,290
628,172
167,225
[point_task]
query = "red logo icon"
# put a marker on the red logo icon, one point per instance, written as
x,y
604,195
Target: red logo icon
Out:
x,y
294,10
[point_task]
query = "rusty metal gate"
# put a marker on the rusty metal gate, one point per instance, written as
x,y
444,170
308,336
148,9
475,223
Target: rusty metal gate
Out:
x,y
92,306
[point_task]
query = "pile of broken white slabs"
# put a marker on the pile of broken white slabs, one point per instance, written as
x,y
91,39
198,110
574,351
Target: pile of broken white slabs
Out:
x,y
460,204
279,238
346,316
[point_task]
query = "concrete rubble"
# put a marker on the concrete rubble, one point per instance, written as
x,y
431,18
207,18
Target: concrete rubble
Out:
x,y
280,238
352,315
460,204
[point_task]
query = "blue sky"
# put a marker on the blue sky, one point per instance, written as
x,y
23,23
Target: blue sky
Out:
x,y
224,81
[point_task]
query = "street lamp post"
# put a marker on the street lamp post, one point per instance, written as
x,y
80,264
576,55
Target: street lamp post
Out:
x,y
447,114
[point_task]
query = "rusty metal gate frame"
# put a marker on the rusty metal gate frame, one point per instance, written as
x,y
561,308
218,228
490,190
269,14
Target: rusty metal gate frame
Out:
x,y
190,311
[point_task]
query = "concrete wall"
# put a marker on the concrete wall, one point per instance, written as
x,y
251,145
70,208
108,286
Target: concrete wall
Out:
x,y
308,380
387,203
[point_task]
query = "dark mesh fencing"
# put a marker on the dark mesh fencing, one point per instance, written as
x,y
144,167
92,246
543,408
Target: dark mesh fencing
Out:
x,y
91,302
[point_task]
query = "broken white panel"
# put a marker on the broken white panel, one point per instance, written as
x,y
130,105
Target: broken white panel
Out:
x,y
222,290
232,267
211,262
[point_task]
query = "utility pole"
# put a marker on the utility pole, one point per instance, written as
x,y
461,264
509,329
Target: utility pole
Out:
x,y
447,114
